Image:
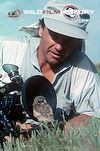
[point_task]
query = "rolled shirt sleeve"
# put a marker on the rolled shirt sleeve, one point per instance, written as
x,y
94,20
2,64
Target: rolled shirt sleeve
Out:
x,y
85,91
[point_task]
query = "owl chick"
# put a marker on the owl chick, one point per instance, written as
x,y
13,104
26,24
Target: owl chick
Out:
x,y
41,109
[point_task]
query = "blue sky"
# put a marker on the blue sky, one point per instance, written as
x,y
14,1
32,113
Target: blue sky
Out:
x,y
10,26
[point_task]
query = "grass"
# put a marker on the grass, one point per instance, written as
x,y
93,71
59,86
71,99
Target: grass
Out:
x,y
77,139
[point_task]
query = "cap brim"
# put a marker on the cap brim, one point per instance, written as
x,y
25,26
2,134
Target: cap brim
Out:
x,y
65,29
31,29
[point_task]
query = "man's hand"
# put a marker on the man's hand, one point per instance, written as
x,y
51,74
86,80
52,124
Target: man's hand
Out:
x,y
81,120
7,138
24,130
24,126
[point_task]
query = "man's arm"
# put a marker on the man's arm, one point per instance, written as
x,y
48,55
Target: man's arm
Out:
x,y
80,120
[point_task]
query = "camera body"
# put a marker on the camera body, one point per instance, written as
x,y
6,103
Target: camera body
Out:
x,y
11,109
35,92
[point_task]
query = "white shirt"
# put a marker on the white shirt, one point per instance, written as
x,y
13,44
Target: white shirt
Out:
x,y
76,82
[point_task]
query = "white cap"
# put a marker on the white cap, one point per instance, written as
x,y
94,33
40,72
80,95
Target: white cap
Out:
x,y
66,19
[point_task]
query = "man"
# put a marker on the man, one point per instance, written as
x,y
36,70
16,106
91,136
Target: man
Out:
x,y
57,55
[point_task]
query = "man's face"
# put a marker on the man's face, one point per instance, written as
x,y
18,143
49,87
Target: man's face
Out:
x,y
55,48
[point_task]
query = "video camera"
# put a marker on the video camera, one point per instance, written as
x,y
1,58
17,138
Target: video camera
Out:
x,y
18,97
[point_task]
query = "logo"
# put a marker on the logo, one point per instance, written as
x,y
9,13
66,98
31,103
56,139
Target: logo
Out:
x,y
70,11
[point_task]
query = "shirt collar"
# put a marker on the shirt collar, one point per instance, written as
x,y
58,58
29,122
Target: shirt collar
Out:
x,y
34,59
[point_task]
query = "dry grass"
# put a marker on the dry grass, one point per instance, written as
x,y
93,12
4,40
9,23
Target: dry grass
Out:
x,y
77,139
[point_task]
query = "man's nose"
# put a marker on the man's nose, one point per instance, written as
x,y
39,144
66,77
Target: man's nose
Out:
x,y
58,46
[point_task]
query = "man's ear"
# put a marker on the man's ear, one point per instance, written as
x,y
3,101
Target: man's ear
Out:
x,y
40,30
